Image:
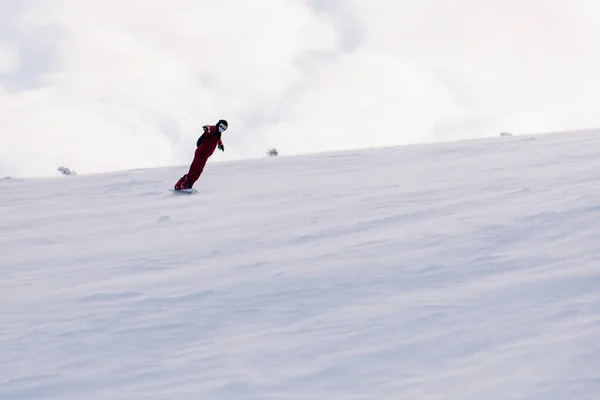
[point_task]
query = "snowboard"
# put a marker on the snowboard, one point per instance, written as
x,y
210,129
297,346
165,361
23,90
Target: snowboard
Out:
x,y
185,191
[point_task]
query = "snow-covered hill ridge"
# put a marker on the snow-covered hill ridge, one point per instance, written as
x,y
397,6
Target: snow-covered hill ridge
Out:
x,y
467,270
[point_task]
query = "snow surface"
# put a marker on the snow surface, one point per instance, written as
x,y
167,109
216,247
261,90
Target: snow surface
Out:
x,y
467,270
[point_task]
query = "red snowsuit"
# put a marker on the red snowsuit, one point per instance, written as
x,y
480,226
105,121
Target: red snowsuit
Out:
x,y
206,145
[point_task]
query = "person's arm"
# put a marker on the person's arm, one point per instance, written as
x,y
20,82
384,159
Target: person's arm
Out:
x,y
203,136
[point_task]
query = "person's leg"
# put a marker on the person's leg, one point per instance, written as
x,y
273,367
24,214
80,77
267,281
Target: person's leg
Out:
x,y
195,169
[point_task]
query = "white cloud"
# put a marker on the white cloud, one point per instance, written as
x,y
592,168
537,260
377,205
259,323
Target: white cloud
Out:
x,y
105,85
362,100
9,58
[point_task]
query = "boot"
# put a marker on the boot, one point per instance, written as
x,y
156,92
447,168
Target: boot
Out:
x,y
181,183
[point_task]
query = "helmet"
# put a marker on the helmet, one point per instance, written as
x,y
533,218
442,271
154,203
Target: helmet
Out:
x,y
222,125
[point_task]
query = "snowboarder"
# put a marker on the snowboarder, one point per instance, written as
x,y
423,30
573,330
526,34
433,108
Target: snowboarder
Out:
x,y
205,147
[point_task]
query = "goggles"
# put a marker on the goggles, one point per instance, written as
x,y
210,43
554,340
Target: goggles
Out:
x,y
222,128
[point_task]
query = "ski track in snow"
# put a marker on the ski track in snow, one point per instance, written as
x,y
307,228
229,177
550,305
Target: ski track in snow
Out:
x,y
467,270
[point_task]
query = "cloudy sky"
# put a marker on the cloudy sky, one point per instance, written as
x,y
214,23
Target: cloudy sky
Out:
x,y
104,85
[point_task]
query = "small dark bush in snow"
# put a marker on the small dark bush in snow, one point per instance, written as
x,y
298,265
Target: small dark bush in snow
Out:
x,y
66,171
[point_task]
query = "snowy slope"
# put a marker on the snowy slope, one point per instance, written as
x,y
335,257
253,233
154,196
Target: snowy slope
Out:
x,y
466,270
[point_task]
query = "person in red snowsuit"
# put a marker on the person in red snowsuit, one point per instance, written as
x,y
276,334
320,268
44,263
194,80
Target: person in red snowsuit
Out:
x,y
205,147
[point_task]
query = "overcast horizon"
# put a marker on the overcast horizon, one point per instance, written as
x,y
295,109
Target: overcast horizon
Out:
x,y
106,85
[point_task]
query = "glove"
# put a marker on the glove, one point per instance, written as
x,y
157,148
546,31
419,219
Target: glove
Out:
x,y
221,147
